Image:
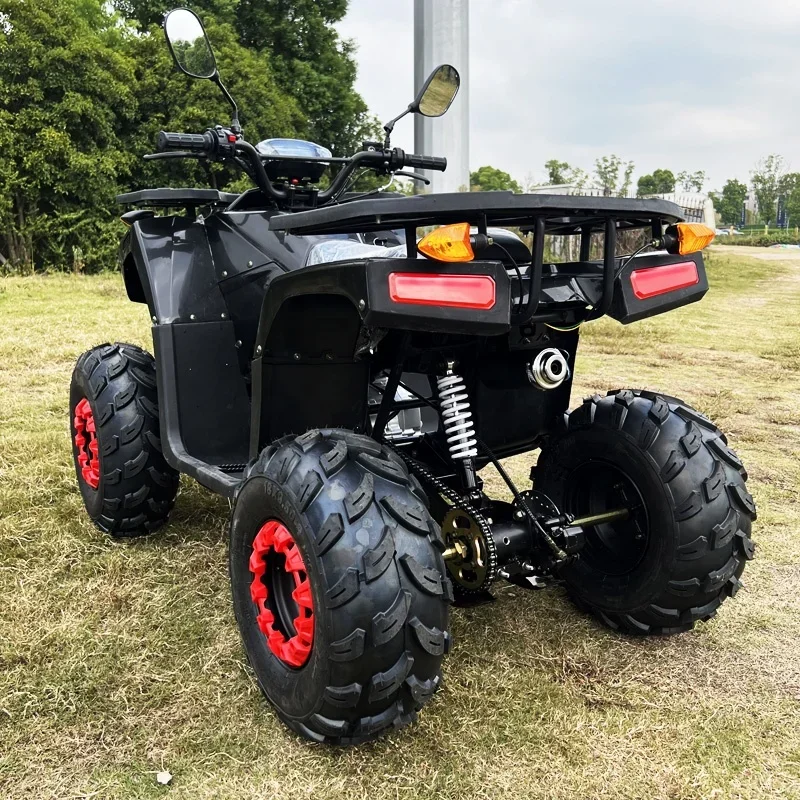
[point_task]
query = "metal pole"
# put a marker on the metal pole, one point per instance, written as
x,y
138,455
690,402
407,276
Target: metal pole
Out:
x,y
441,36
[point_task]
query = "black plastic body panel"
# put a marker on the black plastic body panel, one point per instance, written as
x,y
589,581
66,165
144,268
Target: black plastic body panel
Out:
x,y
306,374
627,308
365,283
173,402
308,336
251,344
176,198
510,413
174,263
213,405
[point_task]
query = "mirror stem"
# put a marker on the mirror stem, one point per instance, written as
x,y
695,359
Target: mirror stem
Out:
x,y
235,126
389,127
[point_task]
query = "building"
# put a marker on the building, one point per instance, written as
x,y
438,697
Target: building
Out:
x,y
697,206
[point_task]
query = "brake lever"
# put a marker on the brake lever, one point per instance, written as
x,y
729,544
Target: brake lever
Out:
x,y
414,176
172,154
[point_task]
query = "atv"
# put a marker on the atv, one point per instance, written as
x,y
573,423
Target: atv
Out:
x,y
342,366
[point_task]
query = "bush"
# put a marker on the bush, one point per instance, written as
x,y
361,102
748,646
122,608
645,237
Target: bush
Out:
x,y
762,239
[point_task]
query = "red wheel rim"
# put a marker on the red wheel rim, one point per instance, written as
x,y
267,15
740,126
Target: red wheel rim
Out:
x,y
86,444
285,614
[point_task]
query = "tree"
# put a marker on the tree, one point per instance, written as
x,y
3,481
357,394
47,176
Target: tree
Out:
x,y
789,189
766,177
793,208
579,178
169,100
730,201
626,180
308,60
692,181
65,89
788,183
83,93
491,179
662,181
607,170
558,172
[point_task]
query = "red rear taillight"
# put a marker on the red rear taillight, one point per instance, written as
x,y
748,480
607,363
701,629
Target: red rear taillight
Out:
x,y
433,289
660,280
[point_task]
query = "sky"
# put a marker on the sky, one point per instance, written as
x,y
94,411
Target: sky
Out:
x,y
709,85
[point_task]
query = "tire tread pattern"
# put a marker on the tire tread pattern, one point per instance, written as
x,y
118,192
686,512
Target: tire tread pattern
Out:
x,y
712,506
137,488
387,594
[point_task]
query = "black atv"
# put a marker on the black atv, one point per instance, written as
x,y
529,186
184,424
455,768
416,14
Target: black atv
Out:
x,y
344,383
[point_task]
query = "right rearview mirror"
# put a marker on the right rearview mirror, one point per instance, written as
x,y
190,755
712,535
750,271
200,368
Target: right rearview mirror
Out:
x,y
189,44
434,98
438,92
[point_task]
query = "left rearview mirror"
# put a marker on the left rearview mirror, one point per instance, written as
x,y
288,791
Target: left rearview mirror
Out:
x,y
438,92
189,44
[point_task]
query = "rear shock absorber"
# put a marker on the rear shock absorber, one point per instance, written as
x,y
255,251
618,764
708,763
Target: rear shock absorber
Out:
x,y
459,428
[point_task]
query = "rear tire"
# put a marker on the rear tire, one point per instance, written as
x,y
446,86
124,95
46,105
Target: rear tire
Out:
x,y
682,554
372,556
127,486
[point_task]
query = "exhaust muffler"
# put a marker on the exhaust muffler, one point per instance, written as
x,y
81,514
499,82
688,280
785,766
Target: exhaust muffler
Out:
x,y
549,369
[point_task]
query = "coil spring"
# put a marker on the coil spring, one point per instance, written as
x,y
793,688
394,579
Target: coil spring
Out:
x,y
456,416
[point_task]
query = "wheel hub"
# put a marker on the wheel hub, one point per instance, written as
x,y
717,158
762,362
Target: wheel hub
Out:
x,y
86,444
612,512
282,593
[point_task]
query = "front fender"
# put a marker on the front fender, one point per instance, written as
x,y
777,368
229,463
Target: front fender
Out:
x,y
166,263
130,273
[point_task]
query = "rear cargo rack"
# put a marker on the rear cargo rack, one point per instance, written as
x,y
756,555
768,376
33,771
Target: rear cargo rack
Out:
x,y
540,213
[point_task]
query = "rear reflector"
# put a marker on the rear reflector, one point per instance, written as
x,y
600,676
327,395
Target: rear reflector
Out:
x,y
660,280
433,289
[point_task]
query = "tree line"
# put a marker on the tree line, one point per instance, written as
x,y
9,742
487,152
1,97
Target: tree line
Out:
x,y
85,85
611,173
775,188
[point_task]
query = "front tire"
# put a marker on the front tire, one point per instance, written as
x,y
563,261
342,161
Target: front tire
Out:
x,y
363,542
127,486
682,551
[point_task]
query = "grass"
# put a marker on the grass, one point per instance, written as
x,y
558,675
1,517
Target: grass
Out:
x,y
118,660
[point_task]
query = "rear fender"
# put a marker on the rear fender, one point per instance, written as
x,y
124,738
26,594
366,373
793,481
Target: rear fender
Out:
x,y
306,368
365,283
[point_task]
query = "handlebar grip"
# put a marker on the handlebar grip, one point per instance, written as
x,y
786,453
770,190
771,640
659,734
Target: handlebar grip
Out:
x,y
194,142
425,162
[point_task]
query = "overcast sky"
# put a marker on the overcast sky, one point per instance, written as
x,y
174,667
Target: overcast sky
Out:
x,y
680,84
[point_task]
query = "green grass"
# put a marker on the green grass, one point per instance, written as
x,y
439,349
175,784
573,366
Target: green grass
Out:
x,y
121,659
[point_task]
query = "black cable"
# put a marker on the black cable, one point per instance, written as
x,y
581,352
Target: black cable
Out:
x,y
368,193
357,176
518,304
633,255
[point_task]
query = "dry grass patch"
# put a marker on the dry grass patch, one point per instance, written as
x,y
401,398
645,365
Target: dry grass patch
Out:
x,y
120,659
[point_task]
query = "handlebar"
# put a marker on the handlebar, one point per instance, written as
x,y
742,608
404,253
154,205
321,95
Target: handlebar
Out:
x,y
389,160
193,142
224,144
425,162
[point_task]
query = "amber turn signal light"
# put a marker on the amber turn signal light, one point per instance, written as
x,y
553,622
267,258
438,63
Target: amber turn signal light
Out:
x,y
687,237
448,243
